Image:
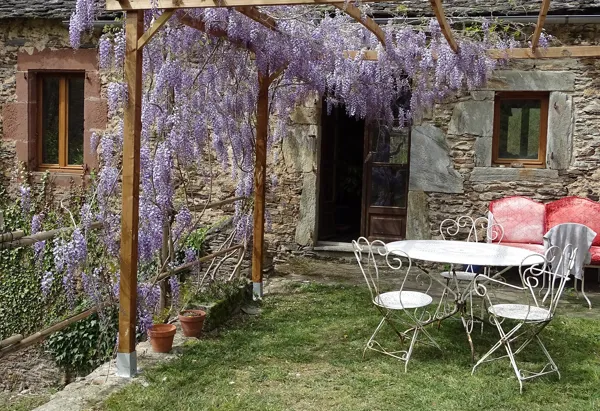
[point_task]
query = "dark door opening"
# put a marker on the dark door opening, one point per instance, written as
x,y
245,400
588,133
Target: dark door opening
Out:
x,y
341,176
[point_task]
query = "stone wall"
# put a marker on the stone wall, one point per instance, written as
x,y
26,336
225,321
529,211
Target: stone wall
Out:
x,y
465,124
29,369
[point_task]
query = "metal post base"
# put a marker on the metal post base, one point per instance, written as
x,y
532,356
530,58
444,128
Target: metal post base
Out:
x,y
127,364
257,291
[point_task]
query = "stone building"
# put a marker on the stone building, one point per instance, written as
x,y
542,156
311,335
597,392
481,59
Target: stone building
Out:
x,y
333,182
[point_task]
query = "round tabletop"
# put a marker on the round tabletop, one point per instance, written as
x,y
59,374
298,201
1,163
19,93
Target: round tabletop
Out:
x,y
461,252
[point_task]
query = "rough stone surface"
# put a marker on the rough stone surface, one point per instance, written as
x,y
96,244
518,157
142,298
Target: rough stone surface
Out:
x,y
483,151
299,149
560,131
517,80
305,230
430,165
417,219
29,369
472,117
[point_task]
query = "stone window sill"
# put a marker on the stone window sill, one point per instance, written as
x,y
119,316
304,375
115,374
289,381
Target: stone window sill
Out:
x,y
489,174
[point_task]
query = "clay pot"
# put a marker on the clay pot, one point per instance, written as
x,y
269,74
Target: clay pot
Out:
x,y
161,337
192,322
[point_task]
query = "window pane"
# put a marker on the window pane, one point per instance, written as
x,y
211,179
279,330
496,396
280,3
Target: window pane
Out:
x,y
520,122
388,186
50,107
76,101
390,145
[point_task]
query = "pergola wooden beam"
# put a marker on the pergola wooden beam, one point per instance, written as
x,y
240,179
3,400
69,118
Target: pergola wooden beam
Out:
x,y
438,10
156,25
258,16
132,126
540,24
519,53
366,21
200,25
124,5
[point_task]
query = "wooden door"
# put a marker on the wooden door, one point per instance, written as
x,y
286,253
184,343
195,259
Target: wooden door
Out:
x,y
385,182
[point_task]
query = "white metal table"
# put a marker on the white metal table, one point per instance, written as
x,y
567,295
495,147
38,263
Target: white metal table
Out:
x,y
465,253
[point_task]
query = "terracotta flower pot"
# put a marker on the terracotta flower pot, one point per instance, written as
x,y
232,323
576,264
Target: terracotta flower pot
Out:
x,y
161,337
192,322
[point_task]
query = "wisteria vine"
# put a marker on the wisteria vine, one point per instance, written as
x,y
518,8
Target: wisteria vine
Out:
x,y
200,94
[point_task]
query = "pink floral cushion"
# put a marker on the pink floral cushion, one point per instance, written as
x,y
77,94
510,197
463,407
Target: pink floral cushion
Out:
x,y
521,218
574,210
595,252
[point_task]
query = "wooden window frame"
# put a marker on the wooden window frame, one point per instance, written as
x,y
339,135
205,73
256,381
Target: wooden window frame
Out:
x,y
63,121
544,98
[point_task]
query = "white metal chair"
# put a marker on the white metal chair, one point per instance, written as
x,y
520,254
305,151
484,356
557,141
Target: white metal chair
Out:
x,y
402,309
465,228
519,324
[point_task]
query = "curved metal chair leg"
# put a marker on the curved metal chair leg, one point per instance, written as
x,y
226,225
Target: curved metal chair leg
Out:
x,y
583,291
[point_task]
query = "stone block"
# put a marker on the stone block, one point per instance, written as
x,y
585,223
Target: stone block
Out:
x,y
15,124
306,115
300,149
482,95
472,117
495,174
95,113
417,220
516,80
431,167
305,229
560,131
483,151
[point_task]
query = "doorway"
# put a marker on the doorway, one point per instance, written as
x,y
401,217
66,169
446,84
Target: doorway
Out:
x,y
364,171
341,176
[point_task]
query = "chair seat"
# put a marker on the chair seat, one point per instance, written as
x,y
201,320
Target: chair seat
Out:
x,y
520,312
401,300
460,275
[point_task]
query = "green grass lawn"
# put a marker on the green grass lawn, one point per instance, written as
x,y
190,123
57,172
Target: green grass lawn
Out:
x,y
304,352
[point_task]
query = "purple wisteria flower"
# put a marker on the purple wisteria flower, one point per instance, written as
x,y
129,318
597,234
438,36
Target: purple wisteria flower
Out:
x,y
25,192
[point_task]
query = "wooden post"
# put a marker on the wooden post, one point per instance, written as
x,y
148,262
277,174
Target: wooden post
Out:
x,y
126,356
260,174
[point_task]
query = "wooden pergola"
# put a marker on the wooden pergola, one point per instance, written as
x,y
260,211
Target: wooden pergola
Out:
x,y
137,38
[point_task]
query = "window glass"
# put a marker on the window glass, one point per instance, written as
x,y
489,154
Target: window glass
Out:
x,y
75,129
49,118
388,186
519,134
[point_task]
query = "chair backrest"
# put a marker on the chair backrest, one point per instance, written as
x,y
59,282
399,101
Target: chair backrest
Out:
x,y
382,268
557,266
521,218
466,228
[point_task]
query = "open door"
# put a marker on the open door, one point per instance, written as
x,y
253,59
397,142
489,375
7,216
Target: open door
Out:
x,y
385,182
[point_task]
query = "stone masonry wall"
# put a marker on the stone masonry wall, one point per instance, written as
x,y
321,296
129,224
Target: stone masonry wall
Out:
x,y
573,162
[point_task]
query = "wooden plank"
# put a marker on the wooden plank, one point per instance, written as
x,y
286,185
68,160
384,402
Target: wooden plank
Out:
x,y
120,5
41,335
34,238
366,21
11,340
131,183
156,25
438,10
520,53
258,16
540,24
549,53
260,175
200,25
8,237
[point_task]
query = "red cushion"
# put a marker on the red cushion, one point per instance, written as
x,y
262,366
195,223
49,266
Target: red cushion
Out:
x,y
536,248
574,210
595,251
521,218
